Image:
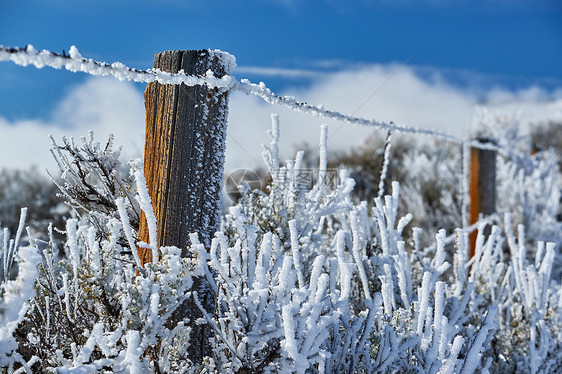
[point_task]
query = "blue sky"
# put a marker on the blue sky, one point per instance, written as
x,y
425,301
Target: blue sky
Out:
x,y
475,47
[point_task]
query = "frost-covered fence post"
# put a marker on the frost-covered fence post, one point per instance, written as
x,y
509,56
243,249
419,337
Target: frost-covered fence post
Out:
x,y
183,167
482,186
184,149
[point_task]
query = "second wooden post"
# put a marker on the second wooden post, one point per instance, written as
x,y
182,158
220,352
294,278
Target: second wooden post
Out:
x,y
482,187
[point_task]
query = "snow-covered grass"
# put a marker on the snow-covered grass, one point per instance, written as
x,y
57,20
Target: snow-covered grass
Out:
x,y
304,281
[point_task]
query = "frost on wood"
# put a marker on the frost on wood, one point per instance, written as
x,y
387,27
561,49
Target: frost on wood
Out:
x,y
184,150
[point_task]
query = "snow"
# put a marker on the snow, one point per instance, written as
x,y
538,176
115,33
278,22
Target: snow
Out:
x,y
356,251
132,356
295,249
14,302
384,169
146,206
450,363
120,202
289,343
472,360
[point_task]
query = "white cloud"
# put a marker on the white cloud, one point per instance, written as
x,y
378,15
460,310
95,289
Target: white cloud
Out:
x,y
104,105
279,72
109,106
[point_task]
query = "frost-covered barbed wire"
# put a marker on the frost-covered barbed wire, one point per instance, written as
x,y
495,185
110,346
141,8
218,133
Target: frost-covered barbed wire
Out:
x,y
75,62
265,93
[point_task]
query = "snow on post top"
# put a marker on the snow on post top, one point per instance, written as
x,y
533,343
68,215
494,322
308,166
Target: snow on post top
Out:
x,y
225,59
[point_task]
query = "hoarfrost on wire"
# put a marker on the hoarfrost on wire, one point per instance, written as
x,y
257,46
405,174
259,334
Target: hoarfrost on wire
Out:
x,y
76,62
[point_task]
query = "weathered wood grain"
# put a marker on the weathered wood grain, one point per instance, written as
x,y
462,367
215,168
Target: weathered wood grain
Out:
x,y
183,166
184,151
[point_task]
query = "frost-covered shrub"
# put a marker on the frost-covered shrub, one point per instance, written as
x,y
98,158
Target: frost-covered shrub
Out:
x,y
304,281
426,319
430,173
529,188
528,339
433,178
338,259
91,179
547,135
30,188
432,186
528,183
98,309
15,294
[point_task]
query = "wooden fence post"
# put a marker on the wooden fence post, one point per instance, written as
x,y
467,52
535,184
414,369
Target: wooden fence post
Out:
x,y
184,150
183,166
482,187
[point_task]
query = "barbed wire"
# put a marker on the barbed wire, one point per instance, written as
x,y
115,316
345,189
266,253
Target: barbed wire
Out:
x,y
265,93
75,62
